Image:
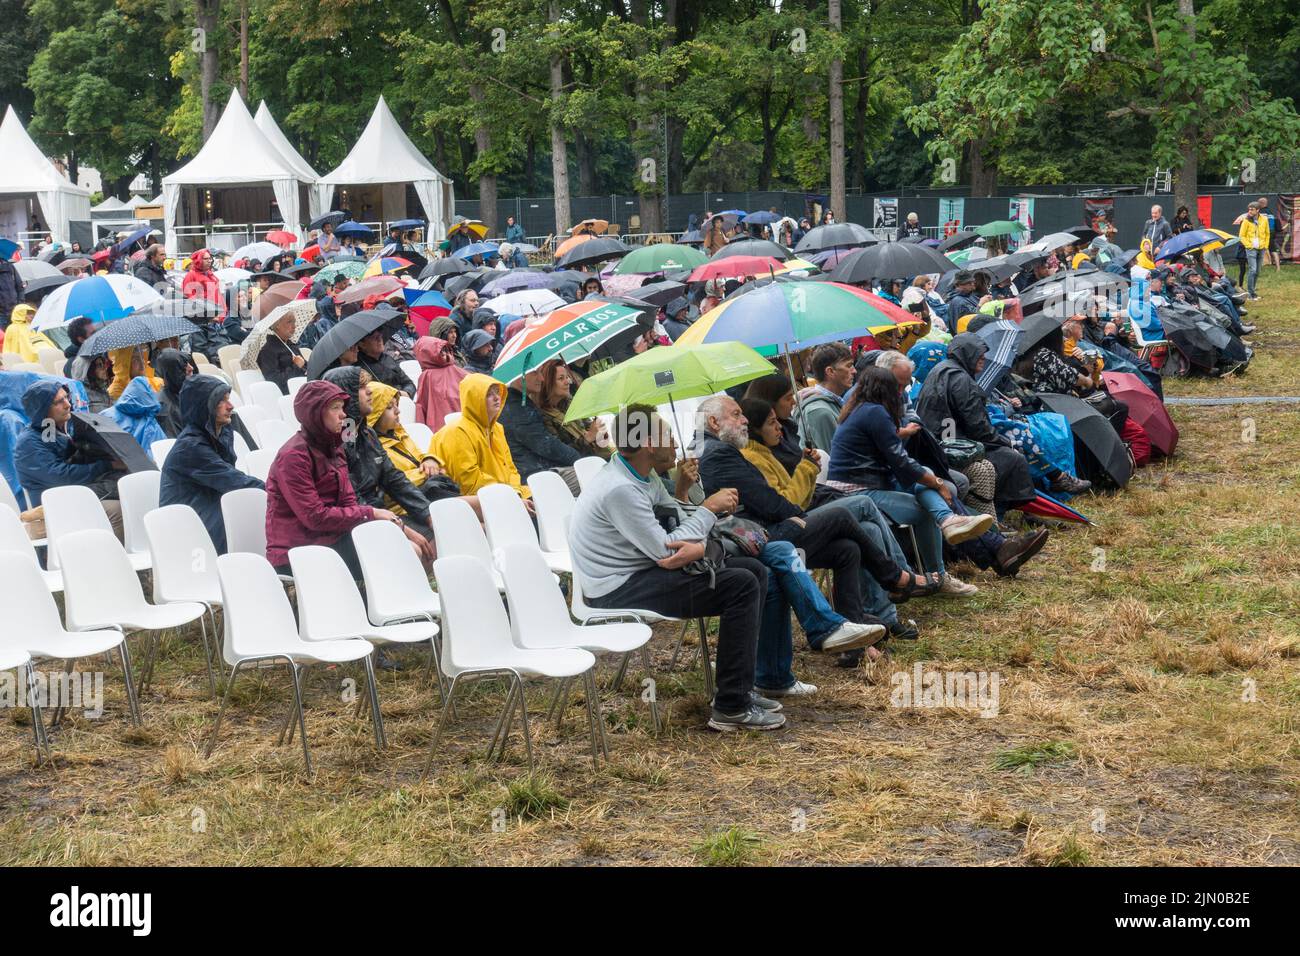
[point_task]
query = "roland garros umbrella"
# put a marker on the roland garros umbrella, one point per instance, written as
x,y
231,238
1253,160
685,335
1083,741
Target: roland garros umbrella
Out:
x,y
569,333
1145,408
1097,448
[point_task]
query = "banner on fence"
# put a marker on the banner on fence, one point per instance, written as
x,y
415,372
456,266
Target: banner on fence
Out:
x,y
1204,209
1021,210
1099,214
952,212
1288,221
885,214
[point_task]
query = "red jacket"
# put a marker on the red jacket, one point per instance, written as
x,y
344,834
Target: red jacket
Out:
x,y
203,285
309,497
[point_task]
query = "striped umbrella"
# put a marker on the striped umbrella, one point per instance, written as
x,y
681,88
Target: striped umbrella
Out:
x,y
1002,337
568,334
100,298
424,307
385,265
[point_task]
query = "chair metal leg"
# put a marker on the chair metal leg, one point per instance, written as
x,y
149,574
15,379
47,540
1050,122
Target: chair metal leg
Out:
x,y
442,722
591,719
916,550
559,702
381,739
507,715
597,716
705,662
681,640
654,692
302,718
132,699
207,655
221,712
38,718
617,682
57,720
523,717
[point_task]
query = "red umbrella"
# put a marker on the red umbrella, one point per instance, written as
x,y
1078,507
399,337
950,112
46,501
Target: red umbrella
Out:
x,y
1045,506
1145,408
735,267
311,253
281,238
376,285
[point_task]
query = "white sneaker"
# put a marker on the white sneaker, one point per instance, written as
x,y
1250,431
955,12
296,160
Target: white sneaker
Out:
x,y
797,689
849,635
952,588
961,528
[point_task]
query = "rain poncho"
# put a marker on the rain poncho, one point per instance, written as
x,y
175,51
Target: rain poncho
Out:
x,y
42,463
121,359
925,356
402,450
136,412
474,450
438,393
19,338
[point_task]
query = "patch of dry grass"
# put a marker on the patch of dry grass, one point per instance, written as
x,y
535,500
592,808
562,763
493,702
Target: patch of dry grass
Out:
x,y
1154,703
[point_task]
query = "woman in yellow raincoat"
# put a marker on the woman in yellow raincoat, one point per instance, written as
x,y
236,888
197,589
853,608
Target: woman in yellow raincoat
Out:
x,y
474,449
19,337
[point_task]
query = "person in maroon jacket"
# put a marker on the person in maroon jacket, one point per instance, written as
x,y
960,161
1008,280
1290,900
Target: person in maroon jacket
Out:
x,y
309,497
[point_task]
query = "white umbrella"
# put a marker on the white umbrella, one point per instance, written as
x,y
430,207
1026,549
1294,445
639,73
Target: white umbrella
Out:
x,y
232,275
29,269
101,298
261,251
525,302
304,310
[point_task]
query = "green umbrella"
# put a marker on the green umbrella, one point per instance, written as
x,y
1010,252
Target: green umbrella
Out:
x,y
1000,227
667,373
661,257
353,270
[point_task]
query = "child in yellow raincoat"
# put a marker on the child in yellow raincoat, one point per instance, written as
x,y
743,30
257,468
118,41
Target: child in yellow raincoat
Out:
x,y
474,449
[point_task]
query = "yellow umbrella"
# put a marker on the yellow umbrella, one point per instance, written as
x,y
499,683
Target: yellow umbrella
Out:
x,y
596,227
472,225
571,243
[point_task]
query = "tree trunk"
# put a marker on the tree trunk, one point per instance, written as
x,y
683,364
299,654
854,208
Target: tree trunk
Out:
x,y
648,142
206,14
1185,187
530,166
836,95
559,147
487,181
983,173
586,162
243,49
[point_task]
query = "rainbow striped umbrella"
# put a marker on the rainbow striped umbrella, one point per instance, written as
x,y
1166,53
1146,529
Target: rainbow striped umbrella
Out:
x,y
382,266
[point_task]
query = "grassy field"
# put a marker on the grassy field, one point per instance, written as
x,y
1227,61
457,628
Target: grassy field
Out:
x,y
1149,678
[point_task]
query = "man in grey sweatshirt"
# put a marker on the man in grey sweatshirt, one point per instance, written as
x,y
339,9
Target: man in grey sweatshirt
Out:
x,y
625,558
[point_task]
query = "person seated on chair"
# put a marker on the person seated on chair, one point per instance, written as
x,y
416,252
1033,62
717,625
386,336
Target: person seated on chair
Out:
x,y
309,496
625,558
830,535
280,358
200,468
372,356
375,479
474,449
534,446
819,405
46,456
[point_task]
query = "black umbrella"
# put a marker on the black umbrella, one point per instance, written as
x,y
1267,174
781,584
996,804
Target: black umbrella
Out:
x,y
1099,453
345,334
745,246
592,251
334,215
1205,344
445,267
1068,288
998,267
1034,330
661,292
303,268
958,240
53,254
839,235
139,328
474,279
889,260
44,284
691,237
1022,259
275,277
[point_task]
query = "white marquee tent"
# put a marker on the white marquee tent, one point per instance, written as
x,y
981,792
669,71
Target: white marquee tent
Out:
x,y
385,155
267,124
111,204
237,154
25,173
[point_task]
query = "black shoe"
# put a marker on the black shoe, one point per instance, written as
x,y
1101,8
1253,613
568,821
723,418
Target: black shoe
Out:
x,y
1016,551
386,663
904,630
849,658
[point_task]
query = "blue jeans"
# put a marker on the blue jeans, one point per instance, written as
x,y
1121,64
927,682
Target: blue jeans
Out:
x,y
1252,264
795,591
875,600
904,508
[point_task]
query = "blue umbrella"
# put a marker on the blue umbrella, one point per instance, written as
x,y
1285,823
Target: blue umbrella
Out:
x,y
407,224
7,248
101,298
130,240
476,249
1002,337
1185,242
691,237
353,229
761,218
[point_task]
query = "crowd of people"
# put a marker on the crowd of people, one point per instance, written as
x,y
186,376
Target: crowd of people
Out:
x,y
886,460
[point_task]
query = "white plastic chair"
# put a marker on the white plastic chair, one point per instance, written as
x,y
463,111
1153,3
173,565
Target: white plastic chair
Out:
x,y
235,400
330,606
412,369
14,540
259,626
421,434
101,590
823,465
246,377
476,642
228,360
15,658
405,411
160,449
201,360
185,567
138,495
540,619
9,502
73,508
251,416
258,462
33,630
244,514
587,468
241,446
397,588
554,503
51,360
456,531
266,396
272,435
507,523
451,419
286,410
293,384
